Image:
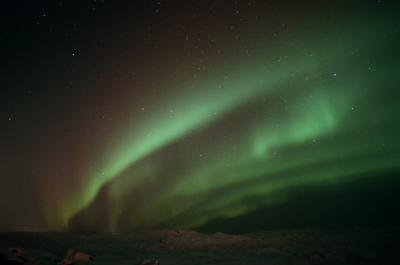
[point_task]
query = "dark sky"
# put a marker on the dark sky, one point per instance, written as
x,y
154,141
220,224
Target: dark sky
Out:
x,y
212,115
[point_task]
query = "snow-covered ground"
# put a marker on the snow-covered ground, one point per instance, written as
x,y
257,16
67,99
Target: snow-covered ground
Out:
x,y
174,247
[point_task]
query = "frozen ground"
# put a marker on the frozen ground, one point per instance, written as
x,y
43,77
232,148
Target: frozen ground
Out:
x,y
352,246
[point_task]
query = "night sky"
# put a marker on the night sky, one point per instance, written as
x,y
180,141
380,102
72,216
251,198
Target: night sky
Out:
x,y
229,116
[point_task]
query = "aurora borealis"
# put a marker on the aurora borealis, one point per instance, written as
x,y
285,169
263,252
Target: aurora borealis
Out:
x,y
121,115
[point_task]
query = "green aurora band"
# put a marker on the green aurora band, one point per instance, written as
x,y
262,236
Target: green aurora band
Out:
x,y
292,116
